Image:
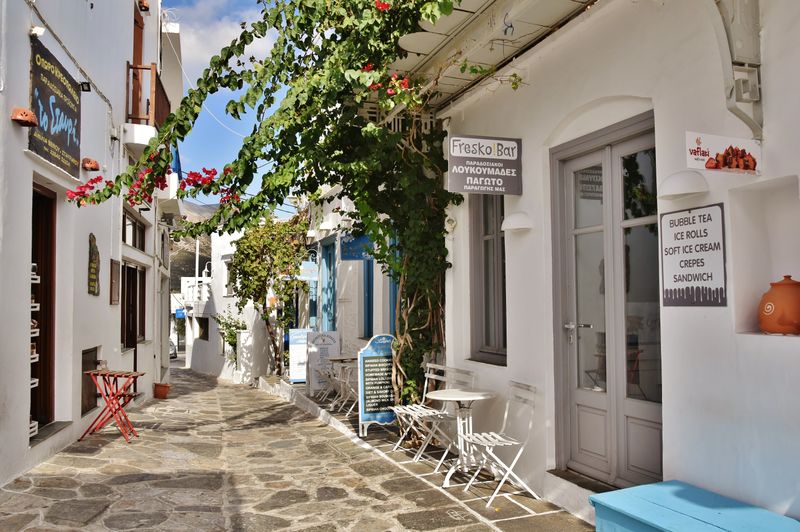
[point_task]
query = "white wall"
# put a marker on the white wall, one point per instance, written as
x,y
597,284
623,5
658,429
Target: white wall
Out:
x,y
207,356
350,286
101,41
730,416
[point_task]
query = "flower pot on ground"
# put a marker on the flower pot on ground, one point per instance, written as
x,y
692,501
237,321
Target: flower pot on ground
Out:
x,y
160,390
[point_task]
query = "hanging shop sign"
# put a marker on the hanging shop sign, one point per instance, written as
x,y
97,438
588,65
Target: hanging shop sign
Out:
x,y
713,152
94,266
375,393
308,271
355,247
298,354
693,257
485,165
321,347
56,100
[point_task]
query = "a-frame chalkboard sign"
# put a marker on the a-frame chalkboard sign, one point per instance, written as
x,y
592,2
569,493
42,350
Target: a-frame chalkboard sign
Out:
x,y
375,394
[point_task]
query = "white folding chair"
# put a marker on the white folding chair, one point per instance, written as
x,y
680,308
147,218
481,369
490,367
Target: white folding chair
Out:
x,y
347,383
426,421
325,373
520,404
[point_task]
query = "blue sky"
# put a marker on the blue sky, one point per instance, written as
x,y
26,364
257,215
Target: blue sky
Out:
x,y
206,26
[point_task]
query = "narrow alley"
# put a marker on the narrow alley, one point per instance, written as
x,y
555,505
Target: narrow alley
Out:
x,y
227,457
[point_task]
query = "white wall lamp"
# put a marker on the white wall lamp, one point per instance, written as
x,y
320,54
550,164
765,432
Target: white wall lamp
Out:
x,y
516,221
682,184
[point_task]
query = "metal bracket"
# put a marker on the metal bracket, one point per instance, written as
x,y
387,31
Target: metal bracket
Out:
x,y
737,27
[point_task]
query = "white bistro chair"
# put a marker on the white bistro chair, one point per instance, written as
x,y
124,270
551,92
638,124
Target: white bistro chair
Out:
x,y
520,405
426,421
347,384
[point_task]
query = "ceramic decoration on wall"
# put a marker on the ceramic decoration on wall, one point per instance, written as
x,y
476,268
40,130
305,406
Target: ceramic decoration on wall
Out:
x,y
779,309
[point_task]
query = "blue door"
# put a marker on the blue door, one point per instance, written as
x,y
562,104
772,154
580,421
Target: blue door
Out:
x,y
328,303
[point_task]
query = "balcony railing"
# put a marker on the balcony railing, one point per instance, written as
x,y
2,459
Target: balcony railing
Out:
x,y
146,100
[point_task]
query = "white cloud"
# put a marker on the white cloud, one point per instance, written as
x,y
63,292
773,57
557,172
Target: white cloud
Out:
x,y
207,26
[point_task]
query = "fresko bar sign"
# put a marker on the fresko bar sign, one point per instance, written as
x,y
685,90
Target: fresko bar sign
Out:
x,y
485,165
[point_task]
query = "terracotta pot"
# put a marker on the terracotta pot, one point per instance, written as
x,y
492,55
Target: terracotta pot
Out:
x,y
160,390
90,165
779,310
24,117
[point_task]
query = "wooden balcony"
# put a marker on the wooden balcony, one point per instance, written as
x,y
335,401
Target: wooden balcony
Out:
x,y
146,101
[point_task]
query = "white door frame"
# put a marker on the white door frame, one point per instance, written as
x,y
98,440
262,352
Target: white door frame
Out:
x,y
616,133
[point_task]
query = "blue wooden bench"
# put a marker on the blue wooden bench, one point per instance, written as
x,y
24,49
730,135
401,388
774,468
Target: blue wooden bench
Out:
x,y
681,507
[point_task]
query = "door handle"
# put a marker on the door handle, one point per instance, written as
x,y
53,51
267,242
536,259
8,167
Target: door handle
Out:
x,y
571,326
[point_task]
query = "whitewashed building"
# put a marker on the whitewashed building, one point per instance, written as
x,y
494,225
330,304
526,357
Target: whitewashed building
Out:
x,y
209,295
574,286
351,294
89,284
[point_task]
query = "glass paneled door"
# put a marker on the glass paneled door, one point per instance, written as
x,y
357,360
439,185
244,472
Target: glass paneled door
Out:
x,y
610,297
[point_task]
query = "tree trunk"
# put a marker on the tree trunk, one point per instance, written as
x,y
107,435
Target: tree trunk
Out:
x,y
276,358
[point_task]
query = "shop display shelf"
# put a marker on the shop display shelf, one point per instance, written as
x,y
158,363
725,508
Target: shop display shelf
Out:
x,y
36,279
33,428
34,382
763,245
35,307
34,357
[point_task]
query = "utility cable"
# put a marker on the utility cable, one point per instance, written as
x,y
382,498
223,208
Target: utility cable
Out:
x,y
189,81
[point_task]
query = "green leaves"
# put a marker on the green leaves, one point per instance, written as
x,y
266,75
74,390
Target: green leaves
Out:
x,y
330,67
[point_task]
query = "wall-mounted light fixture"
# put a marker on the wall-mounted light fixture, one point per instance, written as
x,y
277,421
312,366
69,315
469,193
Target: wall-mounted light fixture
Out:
x,y
682,184
144,208
90,165
516,221
24,117
85,86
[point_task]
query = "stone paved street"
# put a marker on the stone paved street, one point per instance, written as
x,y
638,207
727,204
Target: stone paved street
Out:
x,y
223,457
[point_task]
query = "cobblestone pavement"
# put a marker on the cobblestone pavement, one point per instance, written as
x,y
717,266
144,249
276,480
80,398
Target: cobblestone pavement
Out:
x,y
224,457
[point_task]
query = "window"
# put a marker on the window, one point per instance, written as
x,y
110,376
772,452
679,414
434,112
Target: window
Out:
x,y
134,304
368,297
489,280
202,328
132,230
230,286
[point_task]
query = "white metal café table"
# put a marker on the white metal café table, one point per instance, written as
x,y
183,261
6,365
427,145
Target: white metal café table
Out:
x,y
463,399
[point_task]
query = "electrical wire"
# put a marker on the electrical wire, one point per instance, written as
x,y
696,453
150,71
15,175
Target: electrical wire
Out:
x,y
189,81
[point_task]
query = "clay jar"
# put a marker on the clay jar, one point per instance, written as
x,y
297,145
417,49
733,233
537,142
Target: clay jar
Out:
x,y
779,310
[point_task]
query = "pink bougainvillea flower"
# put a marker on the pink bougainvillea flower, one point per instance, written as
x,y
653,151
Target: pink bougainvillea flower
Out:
x,y
369,67
390,91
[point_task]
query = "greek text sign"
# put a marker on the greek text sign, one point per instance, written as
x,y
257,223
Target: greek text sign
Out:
x,y
375,393
56,101
321,347
485,165
298,354
94,266
693,257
